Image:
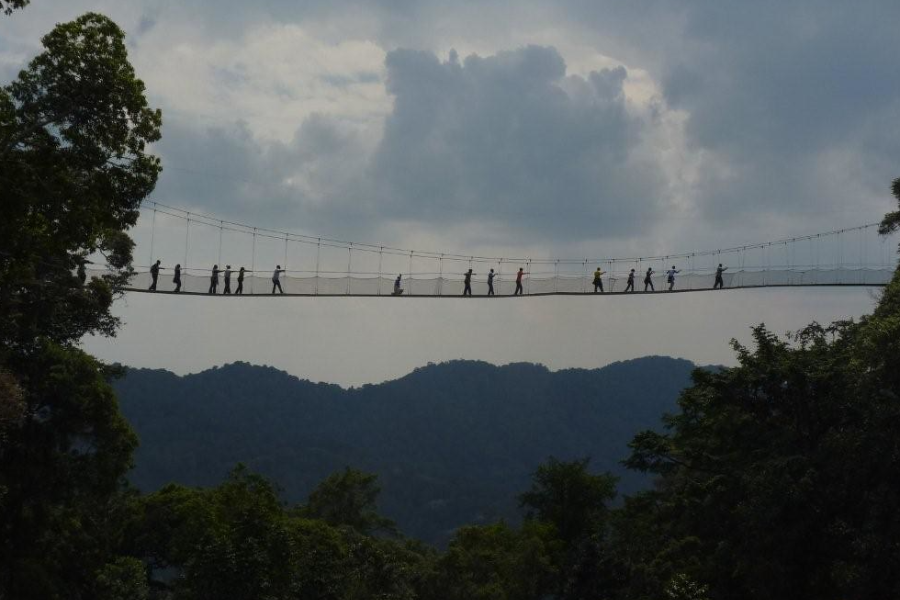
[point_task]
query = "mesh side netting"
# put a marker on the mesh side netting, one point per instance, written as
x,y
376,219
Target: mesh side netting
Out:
x,y
365,285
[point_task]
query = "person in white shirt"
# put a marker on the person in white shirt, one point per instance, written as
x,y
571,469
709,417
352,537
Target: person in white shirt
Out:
x,y
276,279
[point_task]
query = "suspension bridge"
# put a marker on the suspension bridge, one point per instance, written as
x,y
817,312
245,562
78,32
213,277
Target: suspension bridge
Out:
x,y
319,266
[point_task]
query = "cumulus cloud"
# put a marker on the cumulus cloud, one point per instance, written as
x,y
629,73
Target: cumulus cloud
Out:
x,y
512,139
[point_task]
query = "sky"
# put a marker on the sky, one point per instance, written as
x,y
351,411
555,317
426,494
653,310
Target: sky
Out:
x,y
536,128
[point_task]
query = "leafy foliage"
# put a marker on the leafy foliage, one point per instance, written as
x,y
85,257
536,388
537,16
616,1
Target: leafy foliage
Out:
x,y
777,478
891,221
7,6
74,127
348,498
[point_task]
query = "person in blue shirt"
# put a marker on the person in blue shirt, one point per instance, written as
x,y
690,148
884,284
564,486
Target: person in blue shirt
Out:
x,y
670,276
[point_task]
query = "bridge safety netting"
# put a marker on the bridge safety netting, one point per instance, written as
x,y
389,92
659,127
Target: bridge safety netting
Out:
x,y
199,282
316,266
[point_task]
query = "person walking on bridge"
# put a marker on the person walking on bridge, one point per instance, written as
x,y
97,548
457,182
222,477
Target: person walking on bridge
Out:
x,y
227,289
519,290
648,280
598,280
397,289
490,283
176,278
720,283
276,279
467,291
630,286
214,280
239,291
670,276
154,275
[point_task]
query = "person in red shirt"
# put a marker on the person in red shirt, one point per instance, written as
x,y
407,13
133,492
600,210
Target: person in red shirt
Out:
x,y
519,282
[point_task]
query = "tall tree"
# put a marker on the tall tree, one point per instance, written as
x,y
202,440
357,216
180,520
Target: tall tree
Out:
x,y
349,498
74,167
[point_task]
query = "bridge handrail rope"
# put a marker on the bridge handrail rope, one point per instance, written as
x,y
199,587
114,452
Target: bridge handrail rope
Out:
x,y
227,225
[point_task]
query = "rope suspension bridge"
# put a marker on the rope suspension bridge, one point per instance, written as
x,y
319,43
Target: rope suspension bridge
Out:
x,y
319,266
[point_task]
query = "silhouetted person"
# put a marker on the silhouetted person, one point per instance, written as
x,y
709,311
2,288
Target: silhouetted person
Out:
x,y
670,276
276,279
467,291
598,280
397,289
720,283
227,289
240,280
519,291
630,286
176,279
214,280
81,273
491,283
154,275
648,280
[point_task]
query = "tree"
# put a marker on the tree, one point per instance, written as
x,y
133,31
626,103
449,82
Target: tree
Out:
x,y
568,496
891,221
74,127
7,6
349,498
574,502
497,562
777,477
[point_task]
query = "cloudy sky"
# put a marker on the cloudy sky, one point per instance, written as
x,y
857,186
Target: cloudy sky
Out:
x,y
530,128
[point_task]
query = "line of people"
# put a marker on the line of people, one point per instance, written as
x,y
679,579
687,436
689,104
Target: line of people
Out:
x,y
467,283
398,289
214,279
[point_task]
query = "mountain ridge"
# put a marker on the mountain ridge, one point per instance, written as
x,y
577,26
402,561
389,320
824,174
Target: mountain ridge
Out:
x,y
452,442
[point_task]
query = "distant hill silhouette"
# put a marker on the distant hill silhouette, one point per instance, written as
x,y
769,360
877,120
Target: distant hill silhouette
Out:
x,y
452,443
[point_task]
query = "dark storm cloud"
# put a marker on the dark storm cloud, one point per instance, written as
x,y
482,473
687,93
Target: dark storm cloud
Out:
x,y
774,87
506,139
510,138
225,171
